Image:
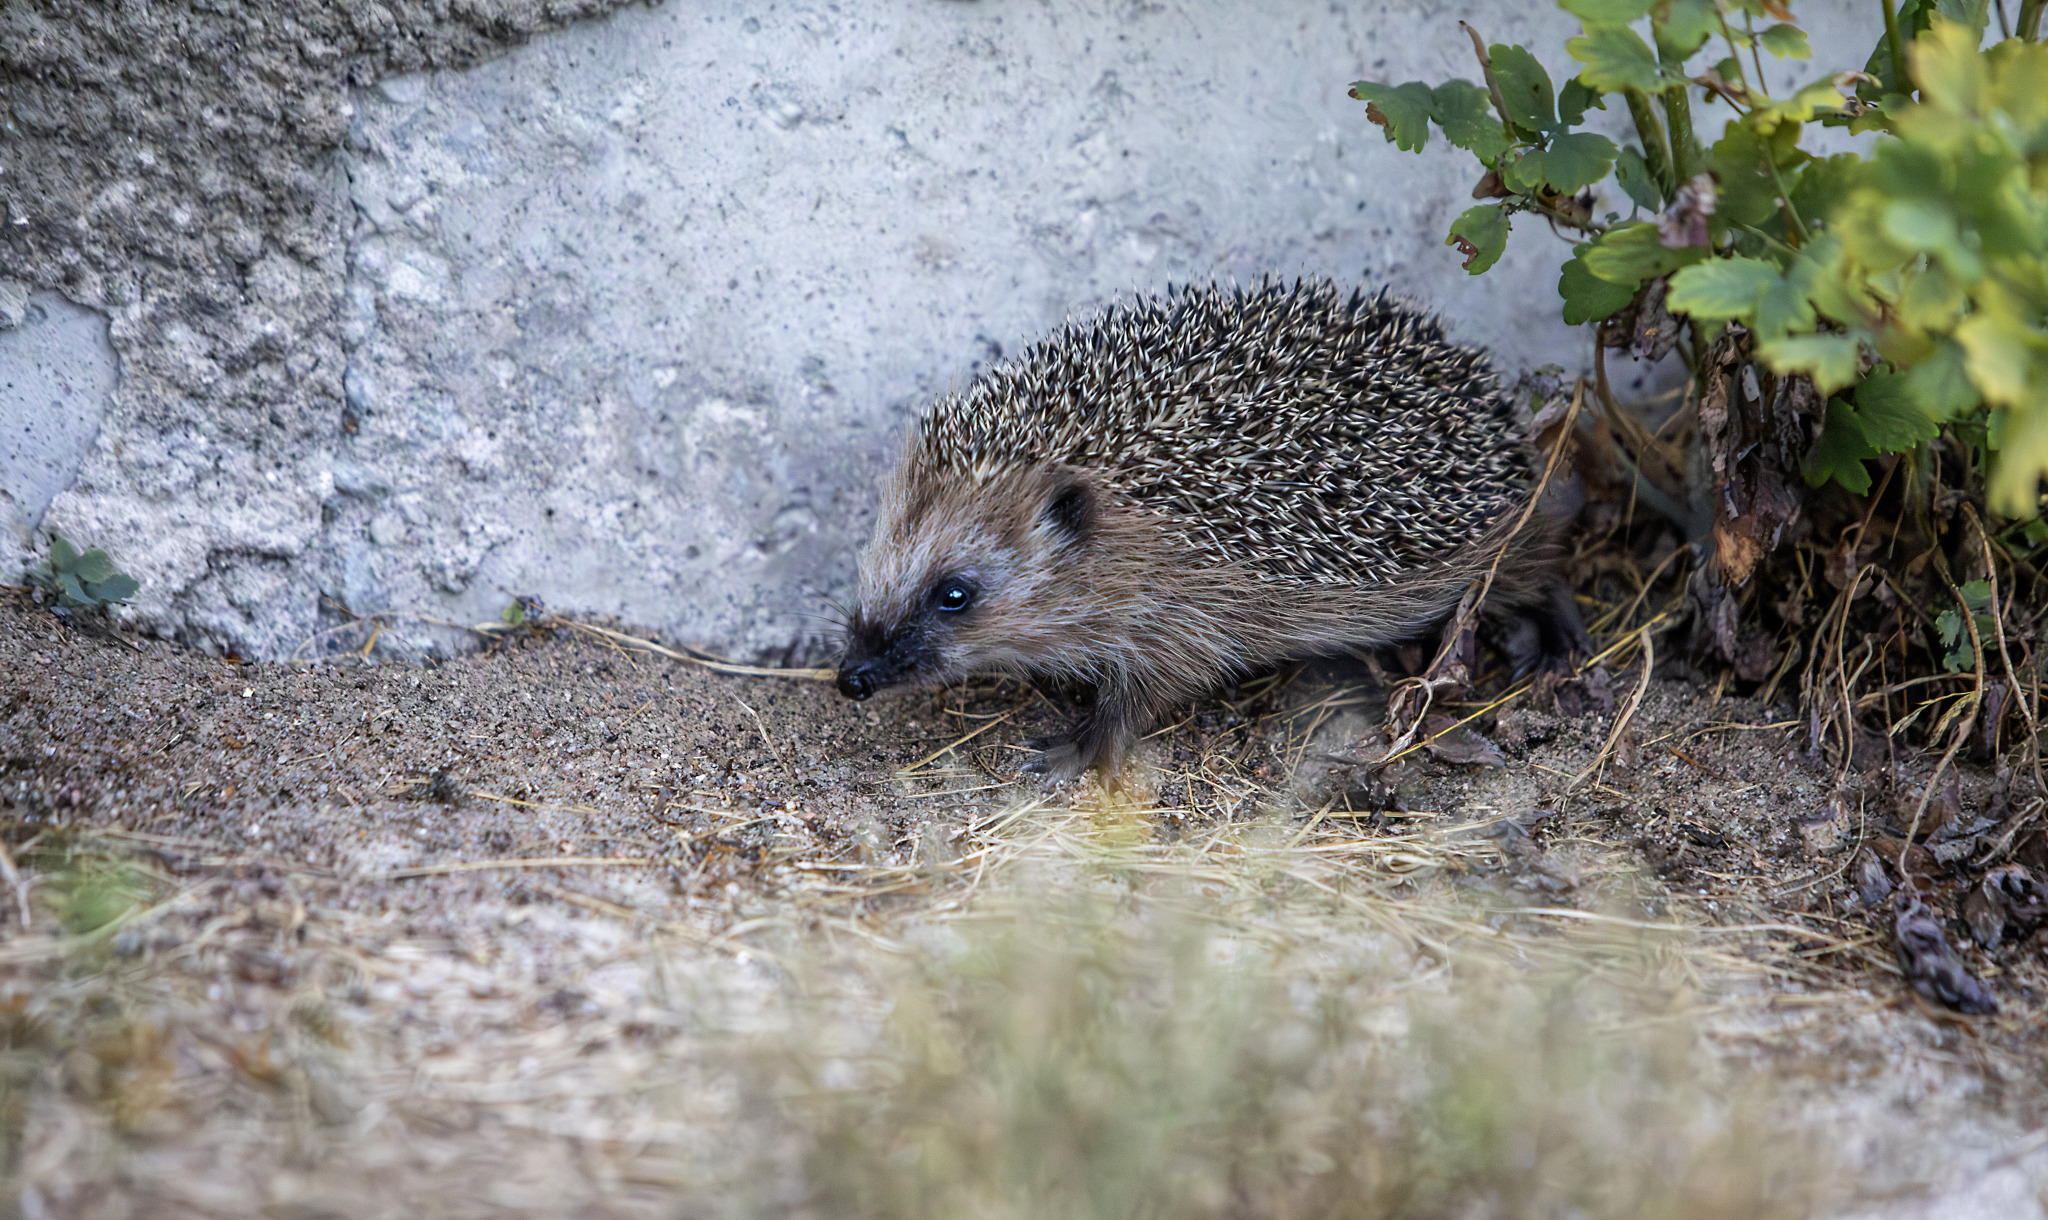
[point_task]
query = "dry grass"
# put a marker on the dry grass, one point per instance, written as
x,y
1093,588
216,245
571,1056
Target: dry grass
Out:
x,y
1262,1024
1184,995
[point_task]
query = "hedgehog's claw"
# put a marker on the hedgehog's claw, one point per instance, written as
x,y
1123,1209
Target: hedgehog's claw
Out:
x,y
1058,760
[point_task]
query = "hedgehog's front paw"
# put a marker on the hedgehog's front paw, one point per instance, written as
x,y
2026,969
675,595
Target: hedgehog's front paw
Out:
x,y
1059,759
1549,637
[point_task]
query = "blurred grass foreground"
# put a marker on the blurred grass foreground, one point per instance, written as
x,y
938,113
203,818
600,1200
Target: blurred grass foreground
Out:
x,y
1135,1048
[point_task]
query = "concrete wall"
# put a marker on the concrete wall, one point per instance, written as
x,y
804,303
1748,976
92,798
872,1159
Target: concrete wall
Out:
x,y
632,318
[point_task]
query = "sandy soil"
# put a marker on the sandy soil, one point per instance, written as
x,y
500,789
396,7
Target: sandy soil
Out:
x,y
329,940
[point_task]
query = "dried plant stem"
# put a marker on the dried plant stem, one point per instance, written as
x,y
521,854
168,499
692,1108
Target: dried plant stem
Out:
x,y
482,866
720,667
957,742
1625,715
2005,657
1965,721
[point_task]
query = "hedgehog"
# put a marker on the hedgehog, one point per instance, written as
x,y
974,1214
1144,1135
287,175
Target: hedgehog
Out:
x,y
1193,487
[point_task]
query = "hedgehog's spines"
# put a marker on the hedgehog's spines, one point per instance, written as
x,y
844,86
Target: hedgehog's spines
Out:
x,y
1222,411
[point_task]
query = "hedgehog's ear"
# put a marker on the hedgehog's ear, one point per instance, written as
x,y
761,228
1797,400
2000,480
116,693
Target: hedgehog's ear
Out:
x,y
1070,511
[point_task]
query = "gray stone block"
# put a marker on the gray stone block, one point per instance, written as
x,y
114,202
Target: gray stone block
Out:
x,y
632,318
57,371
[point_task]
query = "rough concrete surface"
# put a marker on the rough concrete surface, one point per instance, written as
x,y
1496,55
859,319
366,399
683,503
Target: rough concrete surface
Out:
x,y
175,167
630,319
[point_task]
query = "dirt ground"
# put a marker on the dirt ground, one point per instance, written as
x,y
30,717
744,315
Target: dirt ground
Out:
x,y
367,938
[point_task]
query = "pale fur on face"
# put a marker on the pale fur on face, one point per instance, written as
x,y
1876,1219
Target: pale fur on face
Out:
x,y
1028,562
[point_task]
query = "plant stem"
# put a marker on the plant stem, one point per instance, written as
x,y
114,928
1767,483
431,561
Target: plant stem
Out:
x,y
1656,151
1788,251
1500,106
1687,157
2029,24
1735,57
1891,39
1756,55
1785,196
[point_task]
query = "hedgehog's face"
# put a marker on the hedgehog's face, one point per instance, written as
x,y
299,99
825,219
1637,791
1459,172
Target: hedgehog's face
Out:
x,y
963,578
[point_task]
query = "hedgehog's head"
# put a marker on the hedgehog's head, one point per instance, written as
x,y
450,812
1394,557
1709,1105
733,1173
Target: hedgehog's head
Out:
x,y
968,575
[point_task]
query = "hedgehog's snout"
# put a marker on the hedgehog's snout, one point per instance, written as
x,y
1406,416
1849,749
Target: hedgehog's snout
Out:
x,y
858,682
878,657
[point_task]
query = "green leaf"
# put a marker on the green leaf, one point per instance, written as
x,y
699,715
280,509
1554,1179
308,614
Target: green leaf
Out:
x,y
1962,655
71,592
93,566
1465,112
1828,281
2000,355
1821,186
1575,99
1892,417
2014,488
1610,12
1830,360
2019,84
1786,42
117,588
1587,297
1721,289
1930,299
1481,235
1840,452
1929,226
1572,161
1633,173
1402,110
1742,160
1976,594
1616,58
1941,383
1823,96
1784,308
1630,254
1524,88
62,554
1976,14
1950,624
514,614
1682,25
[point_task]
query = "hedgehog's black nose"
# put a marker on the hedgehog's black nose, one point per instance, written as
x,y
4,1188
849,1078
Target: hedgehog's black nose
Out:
x,y
856,683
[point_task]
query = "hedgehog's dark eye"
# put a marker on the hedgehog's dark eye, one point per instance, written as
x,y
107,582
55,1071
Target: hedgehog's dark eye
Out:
x,y
952,595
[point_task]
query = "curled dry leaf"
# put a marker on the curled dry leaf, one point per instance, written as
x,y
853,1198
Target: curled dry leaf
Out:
x,y
2006,905
1930,965
1457,743
1873,883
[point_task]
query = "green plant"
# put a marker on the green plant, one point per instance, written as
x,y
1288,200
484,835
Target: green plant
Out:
x,y
1909,288
82,580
